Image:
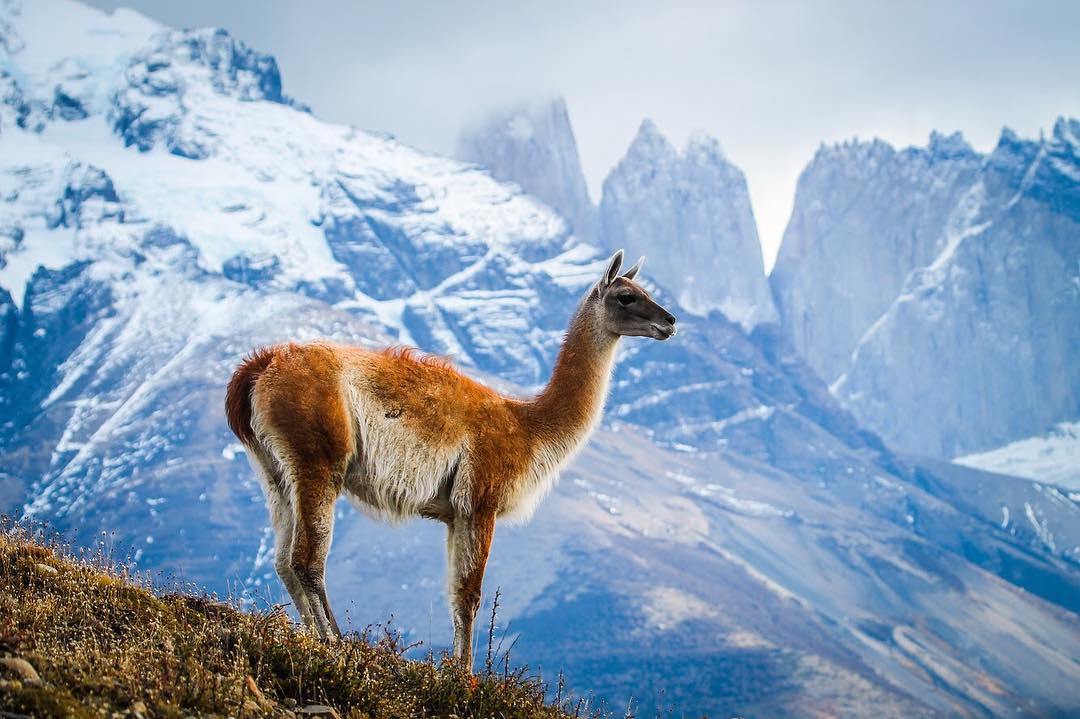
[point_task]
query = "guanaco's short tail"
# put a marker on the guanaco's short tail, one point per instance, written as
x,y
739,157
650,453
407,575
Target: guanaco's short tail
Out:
x,y
238,394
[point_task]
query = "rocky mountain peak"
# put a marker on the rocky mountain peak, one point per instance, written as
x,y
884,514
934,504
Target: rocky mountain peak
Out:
x,y
705,146
1067,131
693,209
905,276
649,145
532,144
950,146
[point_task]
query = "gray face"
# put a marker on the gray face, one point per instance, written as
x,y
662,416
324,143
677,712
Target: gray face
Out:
x,y
627,308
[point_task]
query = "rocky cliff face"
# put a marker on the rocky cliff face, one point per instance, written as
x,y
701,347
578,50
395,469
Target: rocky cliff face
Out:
x,y
134,275
533,145
692,210
936,288
865,216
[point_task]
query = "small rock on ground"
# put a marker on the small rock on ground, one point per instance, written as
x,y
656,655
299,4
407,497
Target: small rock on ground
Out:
x,y
23,668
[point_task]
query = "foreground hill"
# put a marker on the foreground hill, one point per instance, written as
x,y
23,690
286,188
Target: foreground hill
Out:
x,y
93,642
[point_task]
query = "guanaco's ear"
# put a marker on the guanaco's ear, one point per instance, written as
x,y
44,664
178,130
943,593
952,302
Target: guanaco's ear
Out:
x,y
613,268
632,272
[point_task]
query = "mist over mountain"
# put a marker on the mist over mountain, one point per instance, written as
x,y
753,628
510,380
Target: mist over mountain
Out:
x,y
534,146
732,541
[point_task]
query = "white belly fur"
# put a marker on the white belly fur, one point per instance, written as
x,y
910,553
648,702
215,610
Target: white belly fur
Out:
x,y
397,472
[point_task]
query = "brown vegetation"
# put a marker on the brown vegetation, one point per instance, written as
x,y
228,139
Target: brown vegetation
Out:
x,y
107,645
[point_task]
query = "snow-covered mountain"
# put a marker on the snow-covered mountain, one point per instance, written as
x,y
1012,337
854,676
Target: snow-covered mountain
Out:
x,y
938,289
692,209
1053,457
533,145
731,538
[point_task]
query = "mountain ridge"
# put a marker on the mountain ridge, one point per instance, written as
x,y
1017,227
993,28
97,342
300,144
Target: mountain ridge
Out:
x,y
937,272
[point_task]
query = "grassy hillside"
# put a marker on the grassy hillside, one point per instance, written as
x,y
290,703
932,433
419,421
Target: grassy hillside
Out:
x,y
103,645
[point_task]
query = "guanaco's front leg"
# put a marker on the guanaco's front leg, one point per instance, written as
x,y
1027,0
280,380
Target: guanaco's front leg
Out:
x,y
468,546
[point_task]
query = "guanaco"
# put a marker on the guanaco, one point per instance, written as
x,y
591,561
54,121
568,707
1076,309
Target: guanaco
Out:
x,y
405,435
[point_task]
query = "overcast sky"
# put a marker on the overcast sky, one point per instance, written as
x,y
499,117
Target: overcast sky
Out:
x,y
770,80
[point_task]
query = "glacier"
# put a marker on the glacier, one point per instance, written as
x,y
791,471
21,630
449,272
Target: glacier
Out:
x,y
1053,458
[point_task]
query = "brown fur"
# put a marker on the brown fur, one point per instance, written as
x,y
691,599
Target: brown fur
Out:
x,y
297,388
238,393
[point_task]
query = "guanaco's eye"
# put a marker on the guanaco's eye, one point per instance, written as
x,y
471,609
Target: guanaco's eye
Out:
x,y
626,299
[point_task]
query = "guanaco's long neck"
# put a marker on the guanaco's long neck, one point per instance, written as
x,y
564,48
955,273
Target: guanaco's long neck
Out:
x,y
566,411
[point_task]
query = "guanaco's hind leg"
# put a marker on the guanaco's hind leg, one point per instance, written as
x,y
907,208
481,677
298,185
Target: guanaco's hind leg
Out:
x,y
314,494
302,417
468,545
281,518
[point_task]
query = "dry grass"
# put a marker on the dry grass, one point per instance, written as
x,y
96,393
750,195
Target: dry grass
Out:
x,y
107,646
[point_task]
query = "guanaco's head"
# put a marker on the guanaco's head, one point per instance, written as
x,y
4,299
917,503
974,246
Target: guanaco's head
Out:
x,y
626,308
